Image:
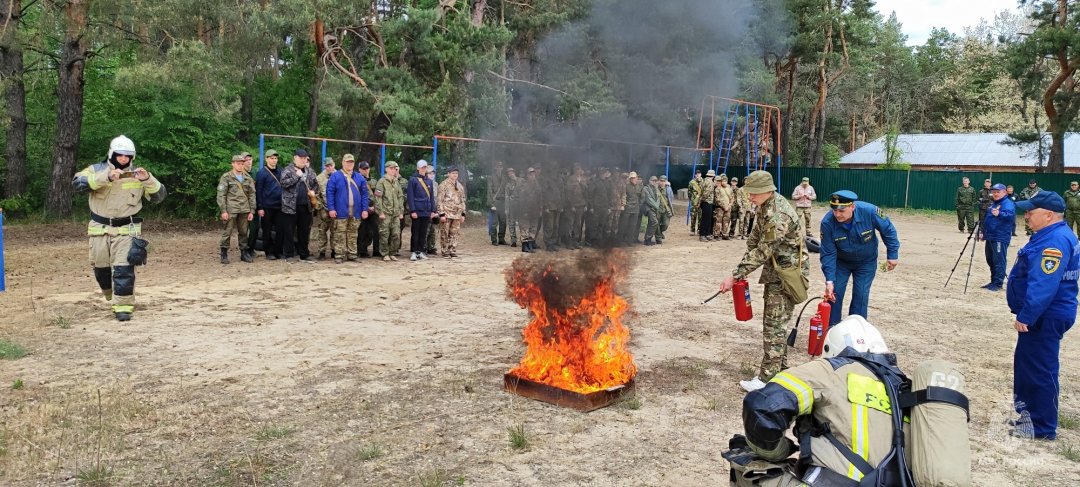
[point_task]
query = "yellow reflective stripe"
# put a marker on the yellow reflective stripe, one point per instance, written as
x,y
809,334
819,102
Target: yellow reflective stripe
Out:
x,y
123,308
95,229
155,188
860,437
803,392
131,185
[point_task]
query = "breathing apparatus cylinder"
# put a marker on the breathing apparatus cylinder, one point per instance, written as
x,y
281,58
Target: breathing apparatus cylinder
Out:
x,y
937,445
740,292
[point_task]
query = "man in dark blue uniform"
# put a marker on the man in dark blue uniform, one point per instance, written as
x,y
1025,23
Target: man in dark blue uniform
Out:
x,y
998,228
1042,294
849,249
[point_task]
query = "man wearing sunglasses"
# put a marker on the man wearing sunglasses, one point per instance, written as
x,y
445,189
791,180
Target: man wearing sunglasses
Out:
x,y
849,250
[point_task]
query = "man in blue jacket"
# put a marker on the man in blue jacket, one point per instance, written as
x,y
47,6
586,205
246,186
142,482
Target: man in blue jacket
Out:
x,y
268,203
998,228
1041,292
347,203
849,249
420,196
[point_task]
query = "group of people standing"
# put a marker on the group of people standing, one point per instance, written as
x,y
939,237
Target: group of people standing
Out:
x,y
571,208
719,210
349,209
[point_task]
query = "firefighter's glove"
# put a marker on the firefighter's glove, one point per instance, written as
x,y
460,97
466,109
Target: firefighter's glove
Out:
x,y
137,254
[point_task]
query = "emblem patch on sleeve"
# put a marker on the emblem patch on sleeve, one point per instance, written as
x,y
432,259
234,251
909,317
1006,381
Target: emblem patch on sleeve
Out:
x,y
1052,252
1050,264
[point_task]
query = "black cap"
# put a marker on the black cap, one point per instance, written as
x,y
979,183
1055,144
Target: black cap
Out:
x,y
301,153
1033,182
364,165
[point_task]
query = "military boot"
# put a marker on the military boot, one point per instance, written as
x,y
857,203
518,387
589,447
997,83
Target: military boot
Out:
x,y
247,256
224,260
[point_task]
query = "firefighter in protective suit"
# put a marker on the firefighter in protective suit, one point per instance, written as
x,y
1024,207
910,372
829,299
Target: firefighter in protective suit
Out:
x,y
842,413
117,190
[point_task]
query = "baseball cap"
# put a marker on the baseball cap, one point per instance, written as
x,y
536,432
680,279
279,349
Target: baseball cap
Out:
x,y
390,164
806,180
364,165
271,153
238,158
998,186
421,163
348,157
1046,200
301,152
245,154
452,169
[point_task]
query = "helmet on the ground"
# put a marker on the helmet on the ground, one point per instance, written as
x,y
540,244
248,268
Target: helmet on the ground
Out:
x,y
855,332
123,146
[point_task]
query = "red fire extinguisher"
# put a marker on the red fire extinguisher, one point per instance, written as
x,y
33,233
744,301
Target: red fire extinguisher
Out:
x,y
819,326
740,292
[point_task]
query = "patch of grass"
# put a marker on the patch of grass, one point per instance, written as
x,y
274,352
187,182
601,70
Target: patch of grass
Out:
x,y
18,384
62,322
747,369
712,403
518,439
432,478
632,403
274,432
1070,452
99,476
370,451
1069,422
11,351
460,480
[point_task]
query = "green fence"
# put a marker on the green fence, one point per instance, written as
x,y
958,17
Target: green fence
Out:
x,y
893,188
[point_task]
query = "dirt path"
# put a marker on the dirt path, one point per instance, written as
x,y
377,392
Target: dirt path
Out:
x,y
390,374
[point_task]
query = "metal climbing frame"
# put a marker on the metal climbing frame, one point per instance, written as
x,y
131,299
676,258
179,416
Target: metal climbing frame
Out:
x,y
760,147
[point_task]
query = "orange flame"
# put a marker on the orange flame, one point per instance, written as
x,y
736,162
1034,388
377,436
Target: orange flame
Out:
x,y
576,340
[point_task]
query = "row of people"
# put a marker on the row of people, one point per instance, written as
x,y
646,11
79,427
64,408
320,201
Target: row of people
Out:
x,y
719,210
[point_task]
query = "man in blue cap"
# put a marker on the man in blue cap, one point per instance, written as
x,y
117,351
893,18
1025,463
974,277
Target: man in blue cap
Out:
x,y
998,228
849,249
1041,292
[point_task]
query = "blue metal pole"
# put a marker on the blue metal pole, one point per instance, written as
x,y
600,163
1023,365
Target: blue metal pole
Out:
x,y
667,163
435,153
3,279
728,135
323,153
746,137
382,160
778,166
262,146
755,139
711,155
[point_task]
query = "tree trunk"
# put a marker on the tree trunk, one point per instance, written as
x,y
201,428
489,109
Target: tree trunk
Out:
x,y
69,111
313,108
376,133
1056,161
478,13
789,109
247,105
11,71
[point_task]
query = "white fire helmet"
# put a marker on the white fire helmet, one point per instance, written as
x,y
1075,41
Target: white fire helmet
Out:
x,y
123,146
855,332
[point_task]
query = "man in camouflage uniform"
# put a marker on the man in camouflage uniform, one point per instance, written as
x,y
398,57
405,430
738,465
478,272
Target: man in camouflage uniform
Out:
x,y
776,240
1072,207
390,206
433,226
665,211
236,202
324,225
724,200
552,203
451,208
574,193
510,189
599,200
694,193
737,194
985,200
618,198
347,204
527,202
804,196
1032,189
496,200
650,207
117,190
967,202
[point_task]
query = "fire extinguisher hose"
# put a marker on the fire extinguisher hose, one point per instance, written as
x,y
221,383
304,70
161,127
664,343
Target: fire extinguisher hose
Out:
x,y
795,331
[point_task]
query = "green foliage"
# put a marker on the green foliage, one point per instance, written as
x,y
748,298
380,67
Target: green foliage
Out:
x,y
518,439
18,384
832,155
11,350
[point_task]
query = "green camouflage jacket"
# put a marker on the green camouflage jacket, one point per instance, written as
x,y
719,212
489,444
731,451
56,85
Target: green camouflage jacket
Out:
x,y
778,233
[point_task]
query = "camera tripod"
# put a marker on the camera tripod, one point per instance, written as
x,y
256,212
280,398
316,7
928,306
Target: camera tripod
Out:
x,y
974,233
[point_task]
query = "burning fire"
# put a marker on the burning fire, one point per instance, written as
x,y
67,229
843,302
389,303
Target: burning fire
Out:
x,y
576,340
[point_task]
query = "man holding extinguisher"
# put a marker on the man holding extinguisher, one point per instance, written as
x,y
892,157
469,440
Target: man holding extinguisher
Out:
x,y
849,251
775,241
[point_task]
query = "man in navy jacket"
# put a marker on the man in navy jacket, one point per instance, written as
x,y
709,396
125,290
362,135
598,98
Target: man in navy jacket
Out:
x,y
268,203
849,250
420,196
998,228
1041,292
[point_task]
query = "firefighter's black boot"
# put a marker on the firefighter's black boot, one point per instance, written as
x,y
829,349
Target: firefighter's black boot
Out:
x,y
224,255
247,256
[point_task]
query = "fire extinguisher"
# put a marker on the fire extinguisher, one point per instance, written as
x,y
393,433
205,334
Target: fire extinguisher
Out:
x,y
740,292
819,326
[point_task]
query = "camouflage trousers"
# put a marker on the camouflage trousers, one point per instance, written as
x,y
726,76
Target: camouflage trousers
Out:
x,y
612,228
965,216
1072,220
721,222
389,236
596,223
744,222
345,237
432,231
512,227
695,216
237,223
528,228
804,216
778,310
448,235
324,232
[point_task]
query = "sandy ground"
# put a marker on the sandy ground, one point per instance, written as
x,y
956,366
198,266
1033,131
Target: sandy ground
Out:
x,y
390,374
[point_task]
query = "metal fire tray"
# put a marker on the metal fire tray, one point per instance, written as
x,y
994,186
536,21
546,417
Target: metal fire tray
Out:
x,y
562,397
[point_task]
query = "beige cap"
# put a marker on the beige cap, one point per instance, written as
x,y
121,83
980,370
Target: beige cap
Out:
x,y
710,174
391,164
632,175
348,157
759,182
